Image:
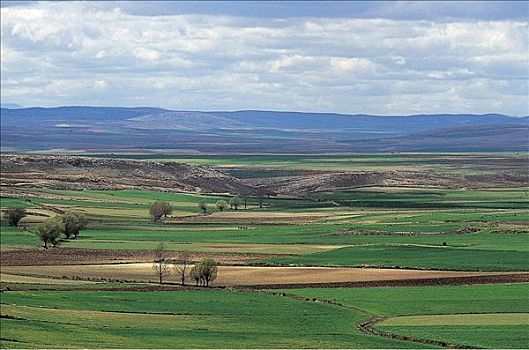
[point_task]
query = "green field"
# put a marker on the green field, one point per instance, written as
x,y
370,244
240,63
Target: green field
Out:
x,y
489,315
385,233
414,257
413,228
187,319
223,318
252,165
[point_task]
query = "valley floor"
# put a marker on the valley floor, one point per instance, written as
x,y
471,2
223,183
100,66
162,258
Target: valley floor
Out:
x,y
389,266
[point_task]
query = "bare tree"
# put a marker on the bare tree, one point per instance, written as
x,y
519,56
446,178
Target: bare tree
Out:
x,y
204,272
195,274
182,266
161,262
208,269
160,209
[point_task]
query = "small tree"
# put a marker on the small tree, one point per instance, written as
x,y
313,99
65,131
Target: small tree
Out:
x,y
184,263
160,209
14,215
50,231
195,274
73,223
235,202
208,271
203,205
221,205
167,208
161,262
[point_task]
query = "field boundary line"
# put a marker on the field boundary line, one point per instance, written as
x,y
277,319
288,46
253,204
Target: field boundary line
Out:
x,y
368,327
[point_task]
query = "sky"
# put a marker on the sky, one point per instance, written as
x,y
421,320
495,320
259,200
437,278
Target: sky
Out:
x,y
387,58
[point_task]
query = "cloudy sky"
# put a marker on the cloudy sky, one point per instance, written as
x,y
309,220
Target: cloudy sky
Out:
x,y
346,57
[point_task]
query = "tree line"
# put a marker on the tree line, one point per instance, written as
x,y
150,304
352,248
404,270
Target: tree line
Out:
x,y
161,209
202,273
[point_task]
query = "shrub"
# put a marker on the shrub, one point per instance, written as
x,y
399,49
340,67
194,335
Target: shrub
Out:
x,y
203,205
14,215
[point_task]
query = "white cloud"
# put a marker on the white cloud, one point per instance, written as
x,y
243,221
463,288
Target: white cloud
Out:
x,y
100,84
399,60
51,52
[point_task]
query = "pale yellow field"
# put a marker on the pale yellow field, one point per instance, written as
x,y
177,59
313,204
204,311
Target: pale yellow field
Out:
x,y
241,275
8,278
504,319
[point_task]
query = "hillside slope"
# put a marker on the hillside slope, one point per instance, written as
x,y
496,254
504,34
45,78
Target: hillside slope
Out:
x,y
76,173
110,129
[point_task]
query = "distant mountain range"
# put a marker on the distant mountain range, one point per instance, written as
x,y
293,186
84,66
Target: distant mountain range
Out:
x,y
143,129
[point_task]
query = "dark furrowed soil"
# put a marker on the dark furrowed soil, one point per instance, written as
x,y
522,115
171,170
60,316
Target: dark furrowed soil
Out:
x,y
81,256
499,278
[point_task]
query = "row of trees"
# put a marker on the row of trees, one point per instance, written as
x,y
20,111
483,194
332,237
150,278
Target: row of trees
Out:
x,y
161,209
203,273
221,205
68,224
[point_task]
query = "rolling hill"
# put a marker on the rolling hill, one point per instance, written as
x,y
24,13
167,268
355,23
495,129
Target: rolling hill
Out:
x,y
143,129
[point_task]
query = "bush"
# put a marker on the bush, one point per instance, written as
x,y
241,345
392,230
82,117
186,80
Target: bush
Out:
x,y
14,215
203,205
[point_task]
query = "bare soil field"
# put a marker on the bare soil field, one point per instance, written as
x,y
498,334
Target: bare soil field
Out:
x,y
249,276
81,256
253,217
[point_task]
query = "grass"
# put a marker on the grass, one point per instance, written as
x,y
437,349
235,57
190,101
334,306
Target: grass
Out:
x,y
483,230
185,319
470,335
488,316
413,257
438,300
15,236
222,318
